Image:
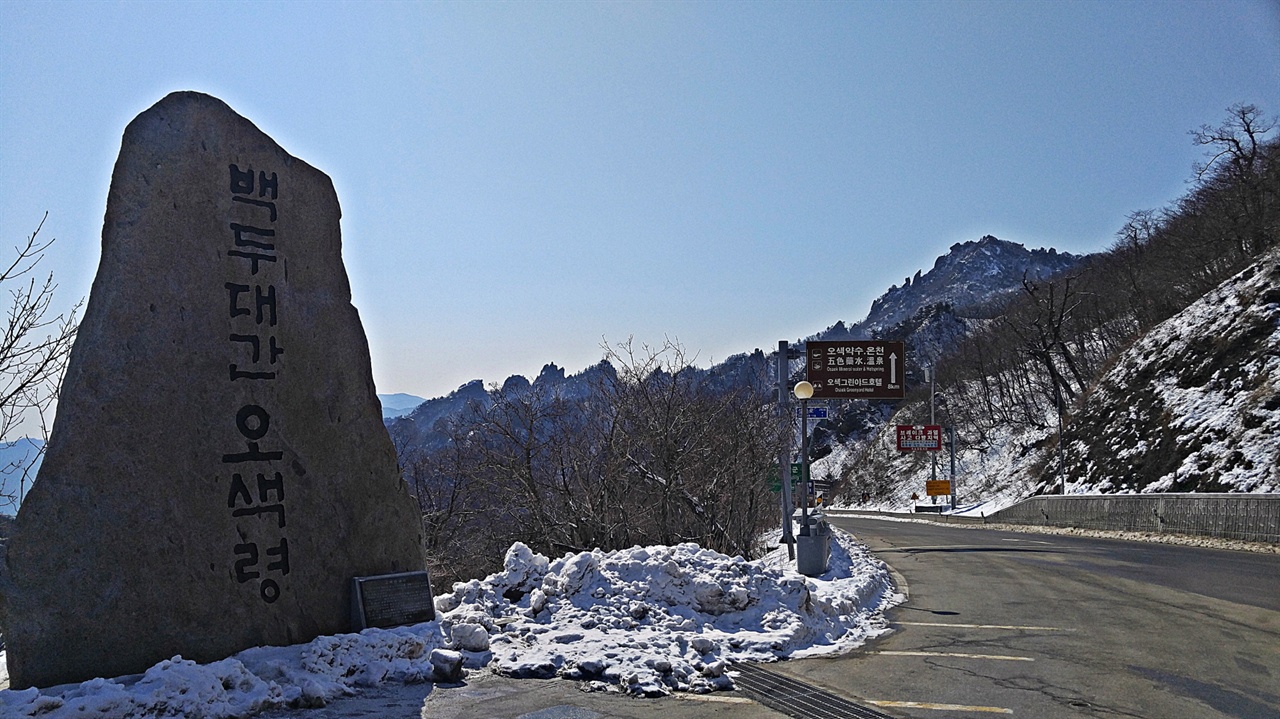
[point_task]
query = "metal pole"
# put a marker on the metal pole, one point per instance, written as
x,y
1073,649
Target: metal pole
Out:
x,y
1062,476
951,431
804,466
933,455
784,455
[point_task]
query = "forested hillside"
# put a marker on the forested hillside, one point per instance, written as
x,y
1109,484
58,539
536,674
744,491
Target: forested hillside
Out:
x,y
640,449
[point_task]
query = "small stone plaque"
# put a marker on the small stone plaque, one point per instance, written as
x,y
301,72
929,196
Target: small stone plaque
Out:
x,y
391,600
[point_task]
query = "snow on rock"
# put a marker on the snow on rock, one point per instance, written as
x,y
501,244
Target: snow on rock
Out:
x,y
644,620
1194,405
971,273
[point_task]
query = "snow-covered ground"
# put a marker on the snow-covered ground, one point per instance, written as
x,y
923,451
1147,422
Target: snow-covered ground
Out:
x,y
988,478
643,620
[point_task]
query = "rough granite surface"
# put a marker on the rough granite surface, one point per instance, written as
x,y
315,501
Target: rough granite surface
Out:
x,y
219,469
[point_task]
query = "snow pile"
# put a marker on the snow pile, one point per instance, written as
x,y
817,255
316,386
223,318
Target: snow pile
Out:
x,y
643,620
255,679
657,619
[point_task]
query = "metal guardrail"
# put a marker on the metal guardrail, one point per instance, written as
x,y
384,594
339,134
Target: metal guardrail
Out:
x,y
930,516
1249,517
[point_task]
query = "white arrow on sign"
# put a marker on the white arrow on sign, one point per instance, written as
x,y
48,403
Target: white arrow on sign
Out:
x,y
893,368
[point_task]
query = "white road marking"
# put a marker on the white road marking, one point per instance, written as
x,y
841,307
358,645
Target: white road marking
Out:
x,y
961,655
942,707
984,626
715,697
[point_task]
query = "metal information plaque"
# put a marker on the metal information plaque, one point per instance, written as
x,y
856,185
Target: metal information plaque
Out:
x,y
867,369
391,600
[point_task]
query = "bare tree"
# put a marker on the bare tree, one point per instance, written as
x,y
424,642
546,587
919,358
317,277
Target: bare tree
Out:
x,y
33,353
1236,164
643,448
696,455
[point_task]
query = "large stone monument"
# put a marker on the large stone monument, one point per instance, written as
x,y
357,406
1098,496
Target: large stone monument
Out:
x,y
218,471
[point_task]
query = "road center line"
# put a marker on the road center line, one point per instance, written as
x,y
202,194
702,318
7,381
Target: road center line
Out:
x,y
955,654
941,707
983,626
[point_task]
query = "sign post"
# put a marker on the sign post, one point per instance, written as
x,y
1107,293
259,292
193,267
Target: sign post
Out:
x,y
951,440
784,396
928,438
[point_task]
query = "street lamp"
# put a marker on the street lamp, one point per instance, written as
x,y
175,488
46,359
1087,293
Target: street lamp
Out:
x,y
803,391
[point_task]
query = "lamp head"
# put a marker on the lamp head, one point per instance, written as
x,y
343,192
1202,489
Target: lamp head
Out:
x,y
803,390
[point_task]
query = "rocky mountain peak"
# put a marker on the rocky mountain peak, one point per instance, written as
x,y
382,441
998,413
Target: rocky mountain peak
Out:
x,y
971,273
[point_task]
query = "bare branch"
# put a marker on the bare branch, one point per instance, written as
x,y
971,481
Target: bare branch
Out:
x,y
34,349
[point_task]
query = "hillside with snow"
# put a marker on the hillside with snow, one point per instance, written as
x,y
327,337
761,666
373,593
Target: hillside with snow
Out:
x,y
1193,406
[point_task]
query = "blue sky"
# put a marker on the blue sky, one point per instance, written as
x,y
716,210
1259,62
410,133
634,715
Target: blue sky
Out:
x,y
522,180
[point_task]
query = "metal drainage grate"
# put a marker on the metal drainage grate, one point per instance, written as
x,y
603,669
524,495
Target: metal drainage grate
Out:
x,y
795,698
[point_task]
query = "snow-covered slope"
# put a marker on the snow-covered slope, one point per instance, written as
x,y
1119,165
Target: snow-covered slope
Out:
x,y
1194,406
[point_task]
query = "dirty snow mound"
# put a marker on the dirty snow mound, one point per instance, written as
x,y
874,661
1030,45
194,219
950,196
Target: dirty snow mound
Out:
x,y
642,620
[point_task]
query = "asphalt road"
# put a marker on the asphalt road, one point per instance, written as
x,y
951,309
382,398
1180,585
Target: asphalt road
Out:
x,y
996,624
1052,626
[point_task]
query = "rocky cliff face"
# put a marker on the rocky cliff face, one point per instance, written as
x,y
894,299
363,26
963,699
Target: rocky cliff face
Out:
x,y
970,274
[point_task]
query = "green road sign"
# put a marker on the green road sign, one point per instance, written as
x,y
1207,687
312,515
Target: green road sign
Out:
x,y
775,484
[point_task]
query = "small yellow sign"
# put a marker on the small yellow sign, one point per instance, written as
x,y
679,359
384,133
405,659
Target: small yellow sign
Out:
x,y
937,488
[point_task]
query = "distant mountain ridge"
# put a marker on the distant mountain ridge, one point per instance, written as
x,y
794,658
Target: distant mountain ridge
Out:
x,y
427,424
399,404
19,463
923,312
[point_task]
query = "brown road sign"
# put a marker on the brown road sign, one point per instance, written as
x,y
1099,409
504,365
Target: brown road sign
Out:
x,y
864,369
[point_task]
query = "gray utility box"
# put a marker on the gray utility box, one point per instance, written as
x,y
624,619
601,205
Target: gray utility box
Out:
x,y
813,545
